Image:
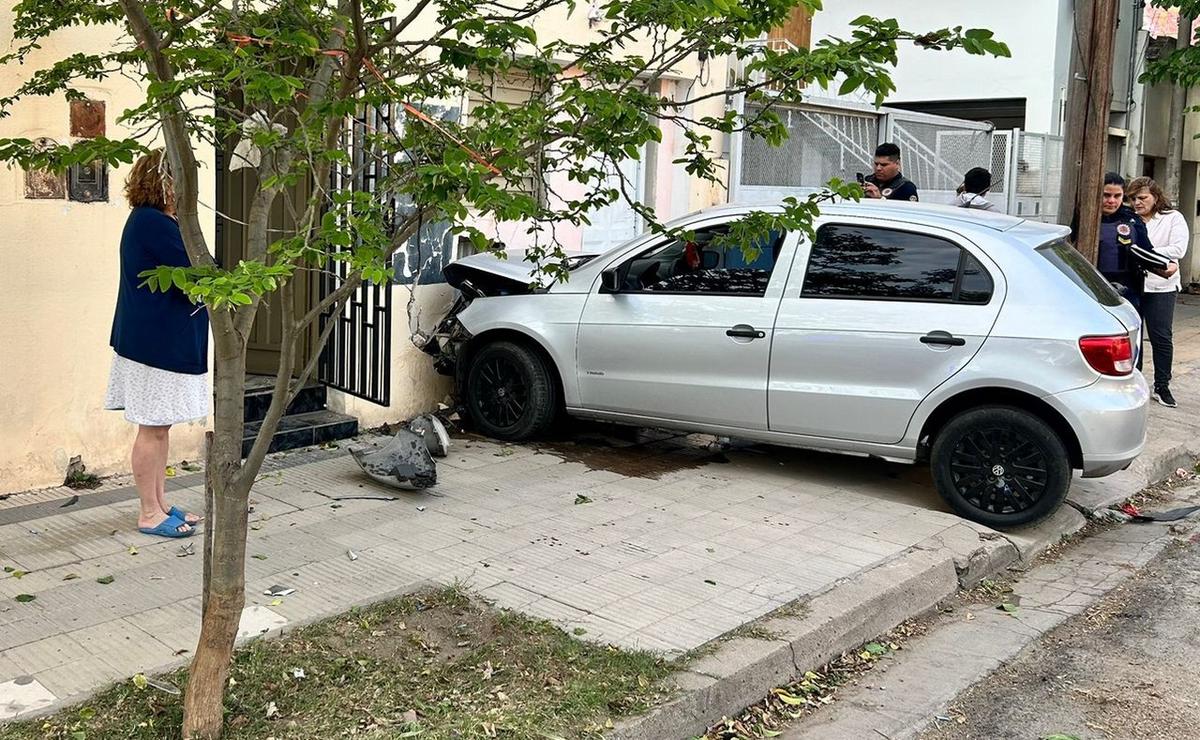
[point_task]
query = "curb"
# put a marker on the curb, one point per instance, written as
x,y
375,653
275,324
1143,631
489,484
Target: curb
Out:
x,y
743,670
1094,494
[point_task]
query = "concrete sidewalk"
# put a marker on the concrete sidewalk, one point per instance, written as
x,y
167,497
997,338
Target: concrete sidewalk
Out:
x,y
656,543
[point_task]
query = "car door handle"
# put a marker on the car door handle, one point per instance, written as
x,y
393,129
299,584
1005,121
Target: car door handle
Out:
x,y
745,331
943,338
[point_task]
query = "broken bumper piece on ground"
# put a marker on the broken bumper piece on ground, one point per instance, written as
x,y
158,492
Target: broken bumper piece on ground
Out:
x,y
406,461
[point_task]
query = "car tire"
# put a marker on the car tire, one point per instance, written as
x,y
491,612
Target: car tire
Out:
x,y
509,392
1000,466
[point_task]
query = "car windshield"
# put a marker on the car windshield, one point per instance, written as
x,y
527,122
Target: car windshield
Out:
x,y
1075,266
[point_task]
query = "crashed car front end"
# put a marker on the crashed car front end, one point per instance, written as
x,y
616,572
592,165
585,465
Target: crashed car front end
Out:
x,y
482,276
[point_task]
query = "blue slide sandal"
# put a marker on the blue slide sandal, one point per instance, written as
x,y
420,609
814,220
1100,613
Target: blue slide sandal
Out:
x,y
169,528
181,515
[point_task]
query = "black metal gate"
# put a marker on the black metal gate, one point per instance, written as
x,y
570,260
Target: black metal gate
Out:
x,y
358,357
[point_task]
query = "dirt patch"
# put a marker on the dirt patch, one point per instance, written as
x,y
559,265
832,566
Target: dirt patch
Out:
x,y
440,665
1125,668
634,452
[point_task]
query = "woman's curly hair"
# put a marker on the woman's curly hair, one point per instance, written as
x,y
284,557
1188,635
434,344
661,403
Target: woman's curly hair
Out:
x,y
150,183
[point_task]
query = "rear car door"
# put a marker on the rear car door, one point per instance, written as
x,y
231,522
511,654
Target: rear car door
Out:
x,y
873,319
687,335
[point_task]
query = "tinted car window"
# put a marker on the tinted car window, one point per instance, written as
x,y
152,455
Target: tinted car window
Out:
x,y
864,262
1081,272
974,284
703,265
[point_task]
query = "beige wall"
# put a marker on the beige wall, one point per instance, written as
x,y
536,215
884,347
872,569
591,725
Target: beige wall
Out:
x,y
415,387
58,279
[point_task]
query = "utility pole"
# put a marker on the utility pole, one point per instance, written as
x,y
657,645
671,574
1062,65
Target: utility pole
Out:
x,y
1089,102
1183,39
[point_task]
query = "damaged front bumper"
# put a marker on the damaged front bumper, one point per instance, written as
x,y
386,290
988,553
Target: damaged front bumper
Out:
x,y
447,340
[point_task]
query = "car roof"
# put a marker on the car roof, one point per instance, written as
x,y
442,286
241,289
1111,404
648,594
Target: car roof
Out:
x,y
928,214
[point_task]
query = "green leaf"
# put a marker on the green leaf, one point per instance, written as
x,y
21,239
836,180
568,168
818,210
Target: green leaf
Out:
x,y
140,681
105,580
1008,608
87,713
24,598
259,557
874,648
786,698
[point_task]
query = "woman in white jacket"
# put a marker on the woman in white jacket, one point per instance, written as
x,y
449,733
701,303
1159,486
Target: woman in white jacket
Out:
x,y
1169,235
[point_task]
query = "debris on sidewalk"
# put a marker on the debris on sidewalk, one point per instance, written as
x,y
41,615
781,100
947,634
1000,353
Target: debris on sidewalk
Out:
x,y
78,477
1170,515
186,550
405,462
433,431
279,591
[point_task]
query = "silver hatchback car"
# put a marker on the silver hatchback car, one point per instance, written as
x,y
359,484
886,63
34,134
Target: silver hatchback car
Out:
x,y
982,343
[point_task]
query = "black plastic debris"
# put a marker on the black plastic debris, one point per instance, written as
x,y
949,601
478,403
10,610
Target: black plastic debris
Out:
x,y
1170,515
404,462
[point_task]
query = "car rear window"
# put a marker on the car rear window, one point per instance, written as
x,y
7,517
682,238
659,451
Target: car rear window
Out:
x,y
1075,266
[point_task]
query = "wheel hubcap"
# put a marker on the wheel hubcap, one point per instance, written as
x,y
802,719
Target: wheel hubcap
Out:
x,y
501,392
997,470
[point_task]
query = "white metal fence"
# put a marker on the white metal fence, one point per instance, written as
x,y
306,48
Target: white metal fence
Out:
x,y
834,139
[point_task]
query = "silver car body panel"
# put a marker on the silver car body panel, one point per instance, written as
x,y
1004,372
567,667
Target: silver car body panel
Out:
x,y
664,360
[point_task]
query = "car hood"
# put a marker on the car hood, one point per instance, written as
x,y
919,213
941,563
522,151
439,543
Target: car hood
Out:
x,y
488,275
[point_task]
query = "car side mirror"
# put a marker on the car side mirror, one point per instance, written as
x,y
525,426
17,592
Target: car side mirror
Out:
x,y
610,281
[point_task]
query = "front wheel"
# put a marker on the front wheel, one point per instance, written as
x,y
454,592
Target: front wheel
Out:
x,y
1000,466
509,393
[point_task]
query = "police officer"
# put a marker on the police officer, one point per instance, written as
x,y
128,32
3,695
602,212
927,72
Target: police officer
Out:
x,y
887,182
1120,229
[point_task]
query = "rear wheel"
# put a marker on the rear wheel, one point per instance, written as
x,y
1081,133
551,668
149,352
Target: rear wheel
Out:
x,y
1000,466
509,393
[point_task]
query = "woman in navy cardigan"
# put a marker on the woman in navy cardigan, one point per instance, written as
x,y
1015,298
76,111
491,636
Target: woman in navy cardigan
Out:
x,y
160,342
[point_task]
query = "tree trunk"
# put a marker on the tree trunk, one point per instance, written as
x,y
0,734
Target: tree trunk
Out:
x,y
1089,101
203,708
1174,174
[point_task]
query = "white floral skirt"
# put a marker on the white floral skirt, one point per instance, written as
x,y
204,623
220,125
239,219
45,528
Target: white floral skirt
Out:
x,y
154,397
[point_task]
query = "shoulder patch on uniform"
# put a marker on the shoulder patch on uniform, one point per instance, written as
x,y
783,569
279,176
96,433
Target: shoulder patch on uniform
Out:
x,y
886,192
1124,230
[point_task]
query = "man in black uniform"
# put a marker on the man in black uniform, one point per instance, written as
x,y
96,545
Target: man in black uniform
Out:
x,y
887,182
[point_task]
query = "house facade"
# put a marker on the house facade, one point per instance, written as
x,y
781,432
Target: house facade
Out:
x,y
56,313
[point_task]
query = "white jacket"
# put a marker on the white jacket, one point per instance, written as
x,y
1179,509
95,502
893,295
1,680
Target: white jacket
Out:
x,y
971,200
1169,235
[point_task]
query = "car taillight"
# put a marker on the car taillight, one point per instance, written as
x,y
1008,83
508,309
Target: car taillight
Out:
x,y
1108,355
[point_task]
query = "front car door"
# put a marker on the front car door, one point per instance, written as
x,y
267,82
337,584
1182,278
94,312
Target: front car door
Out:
x,y
687,336
878,318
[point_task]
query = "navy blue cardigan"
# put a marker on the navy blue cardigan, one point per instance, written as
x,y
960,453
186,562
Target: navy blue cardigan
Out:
x,y
162,330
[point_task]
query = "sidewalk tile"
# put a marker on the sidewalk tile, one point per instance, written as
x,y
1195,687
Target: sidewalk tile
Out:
x,y
23,695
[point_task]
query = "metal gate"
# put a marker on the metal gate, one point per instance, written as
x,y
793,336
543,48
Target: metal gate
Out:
x,y
358,356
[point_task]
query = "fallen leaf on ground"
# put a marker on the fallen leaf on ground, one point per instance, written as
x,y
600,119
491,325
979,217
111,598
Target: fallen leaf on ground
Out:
x,y
105,580
70,502
25,598
133,550
276,602
71,577
140,681
170,471
581,499
259,557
